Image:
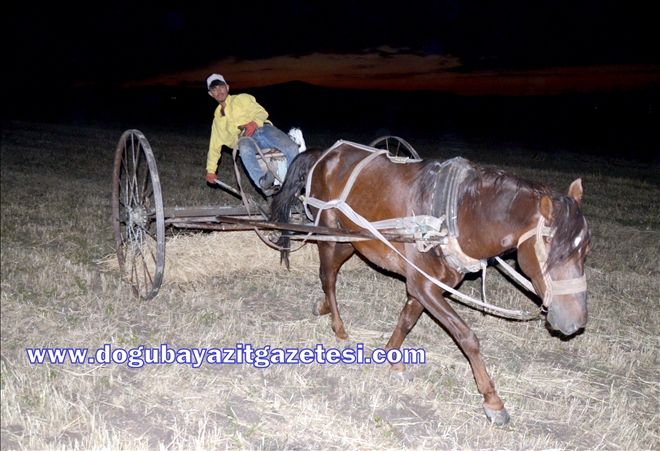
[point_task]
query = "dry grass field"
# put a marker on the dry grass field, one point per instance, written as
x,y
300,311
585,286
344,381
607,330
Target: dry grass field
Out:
x,y
599,390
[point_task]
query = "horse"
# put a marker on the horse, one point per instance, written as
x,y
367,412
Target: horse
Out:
x,y
494,213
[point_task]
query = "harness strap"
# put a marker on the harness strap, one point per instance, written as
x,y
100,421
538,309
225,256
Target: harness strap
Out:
x,y
552,287
411,223
356,171
308,183
523,281
339,143
546,231
569,286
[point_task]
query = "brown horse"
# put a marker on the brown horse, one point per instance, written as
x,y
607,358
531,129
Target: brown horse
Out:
x,y
495,213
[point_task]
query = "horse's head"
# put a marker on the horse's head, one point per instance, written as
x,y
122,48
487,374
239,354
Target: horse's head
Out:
x,y
552,254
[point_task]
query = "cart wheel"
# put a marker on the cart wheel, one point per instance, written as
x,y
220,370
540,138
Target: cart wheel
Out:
x,y
137,214
397,147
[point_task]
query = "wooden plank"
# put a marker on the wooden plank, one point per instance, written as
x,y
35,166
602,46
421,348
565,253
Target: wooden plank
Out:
x,y
207,210
310,228
212,226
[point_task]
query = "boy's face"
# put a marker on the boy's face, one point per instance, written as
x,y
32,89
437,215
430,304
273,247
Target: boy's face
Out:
x,y
219,92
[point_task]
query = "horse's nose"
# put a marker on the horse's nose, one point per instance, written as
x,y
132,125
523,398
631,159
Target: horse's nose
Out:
x,y
567,318
567,328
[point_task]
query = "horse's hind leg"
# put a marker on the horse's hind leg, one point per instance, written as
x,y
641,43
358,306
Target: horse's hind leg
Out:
x,y
332,256
407,320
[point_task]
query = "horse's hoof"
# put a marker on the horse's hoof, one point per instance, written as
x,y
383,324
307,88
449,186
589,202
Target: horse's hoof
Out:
x,y
497,417
316,308
401,376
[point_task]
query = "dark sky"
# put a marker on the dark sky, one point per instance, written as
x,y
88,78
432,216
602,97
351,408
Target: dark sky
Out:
x,y
117,42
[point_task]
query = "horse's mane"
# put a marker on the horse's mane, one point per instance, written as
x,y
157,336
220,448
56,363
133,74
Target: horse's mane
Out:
x,y
567,218
504,182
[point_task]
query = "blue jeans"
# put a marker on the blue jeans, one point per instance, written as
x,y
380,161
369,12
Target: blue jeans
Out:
x,y
265,137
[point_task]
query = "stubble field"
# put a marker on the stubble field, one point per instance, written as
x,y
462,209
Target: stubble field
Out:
x,y
599,390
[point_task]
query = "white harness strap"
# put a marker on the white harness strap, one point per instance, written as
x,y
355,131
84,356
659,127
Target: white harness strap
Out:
x,y
356,171
545,231
375,152
341,200
552,287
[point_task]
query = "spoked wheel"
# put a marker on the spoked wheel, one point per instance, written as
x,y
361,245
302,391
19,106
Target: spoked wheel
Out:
x,y
137,214
397,147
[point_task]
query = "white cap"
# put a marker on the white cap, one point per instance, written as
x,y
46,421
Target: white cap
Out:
x,y
214,77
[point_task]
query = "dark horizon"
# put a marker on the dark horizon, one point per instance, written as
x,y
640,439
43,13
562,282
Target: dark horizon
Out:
x,y
612,123
449,45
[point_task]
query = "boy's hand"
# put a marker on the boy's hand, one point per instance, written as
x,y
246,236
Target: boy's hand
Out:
x,y
211,178
249,128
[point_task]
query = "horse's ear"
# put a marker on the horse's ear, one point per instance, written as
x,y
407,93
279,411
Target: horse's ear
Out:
x,y
575,190
546,207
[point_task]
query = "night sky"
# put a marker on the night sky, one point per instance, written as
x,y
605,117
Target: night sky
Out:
x,y
508,47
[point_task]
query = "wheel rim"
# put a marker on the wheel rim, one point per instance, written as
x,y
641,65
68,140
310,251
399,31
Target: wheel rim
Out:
x,y
396,147
137,215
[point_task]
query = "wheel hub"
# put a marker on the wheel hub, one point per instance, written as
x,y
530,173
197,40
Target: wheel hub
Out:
x,y
138,216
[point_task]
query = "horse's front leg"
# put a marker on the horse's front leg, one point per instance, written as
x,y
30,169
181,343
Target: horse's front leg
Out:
x,y
332,256
432,296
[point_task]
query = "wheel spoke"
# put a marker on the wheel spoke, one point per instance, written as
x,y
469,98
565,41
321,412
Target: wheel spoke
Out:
x,y
146,274
151,234
145,184
123,184
134,183
134,279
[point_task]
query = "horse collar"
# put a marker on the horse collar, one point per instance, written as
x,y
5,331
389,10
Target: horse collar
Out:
x,y
451,174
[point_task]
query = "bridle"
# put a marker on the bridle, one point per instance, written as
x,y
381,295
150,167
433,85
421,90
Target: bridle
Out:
x,y
552,287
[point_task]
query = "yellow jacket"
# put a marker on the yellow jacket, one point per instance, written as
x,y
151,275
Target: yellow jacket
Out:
x,y
239,110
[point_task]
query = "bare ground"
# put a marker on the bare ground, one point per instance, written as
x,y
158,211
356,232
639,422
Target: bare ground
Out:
x,y
599,390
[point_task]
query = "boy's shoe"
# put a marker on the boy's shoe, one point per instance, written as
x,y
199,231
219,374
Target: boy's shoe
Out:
x,y
267,184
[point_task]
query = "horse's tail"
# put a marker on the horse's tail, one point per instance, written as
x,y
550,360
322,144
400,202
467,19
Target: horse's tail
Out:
x,y
287,198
